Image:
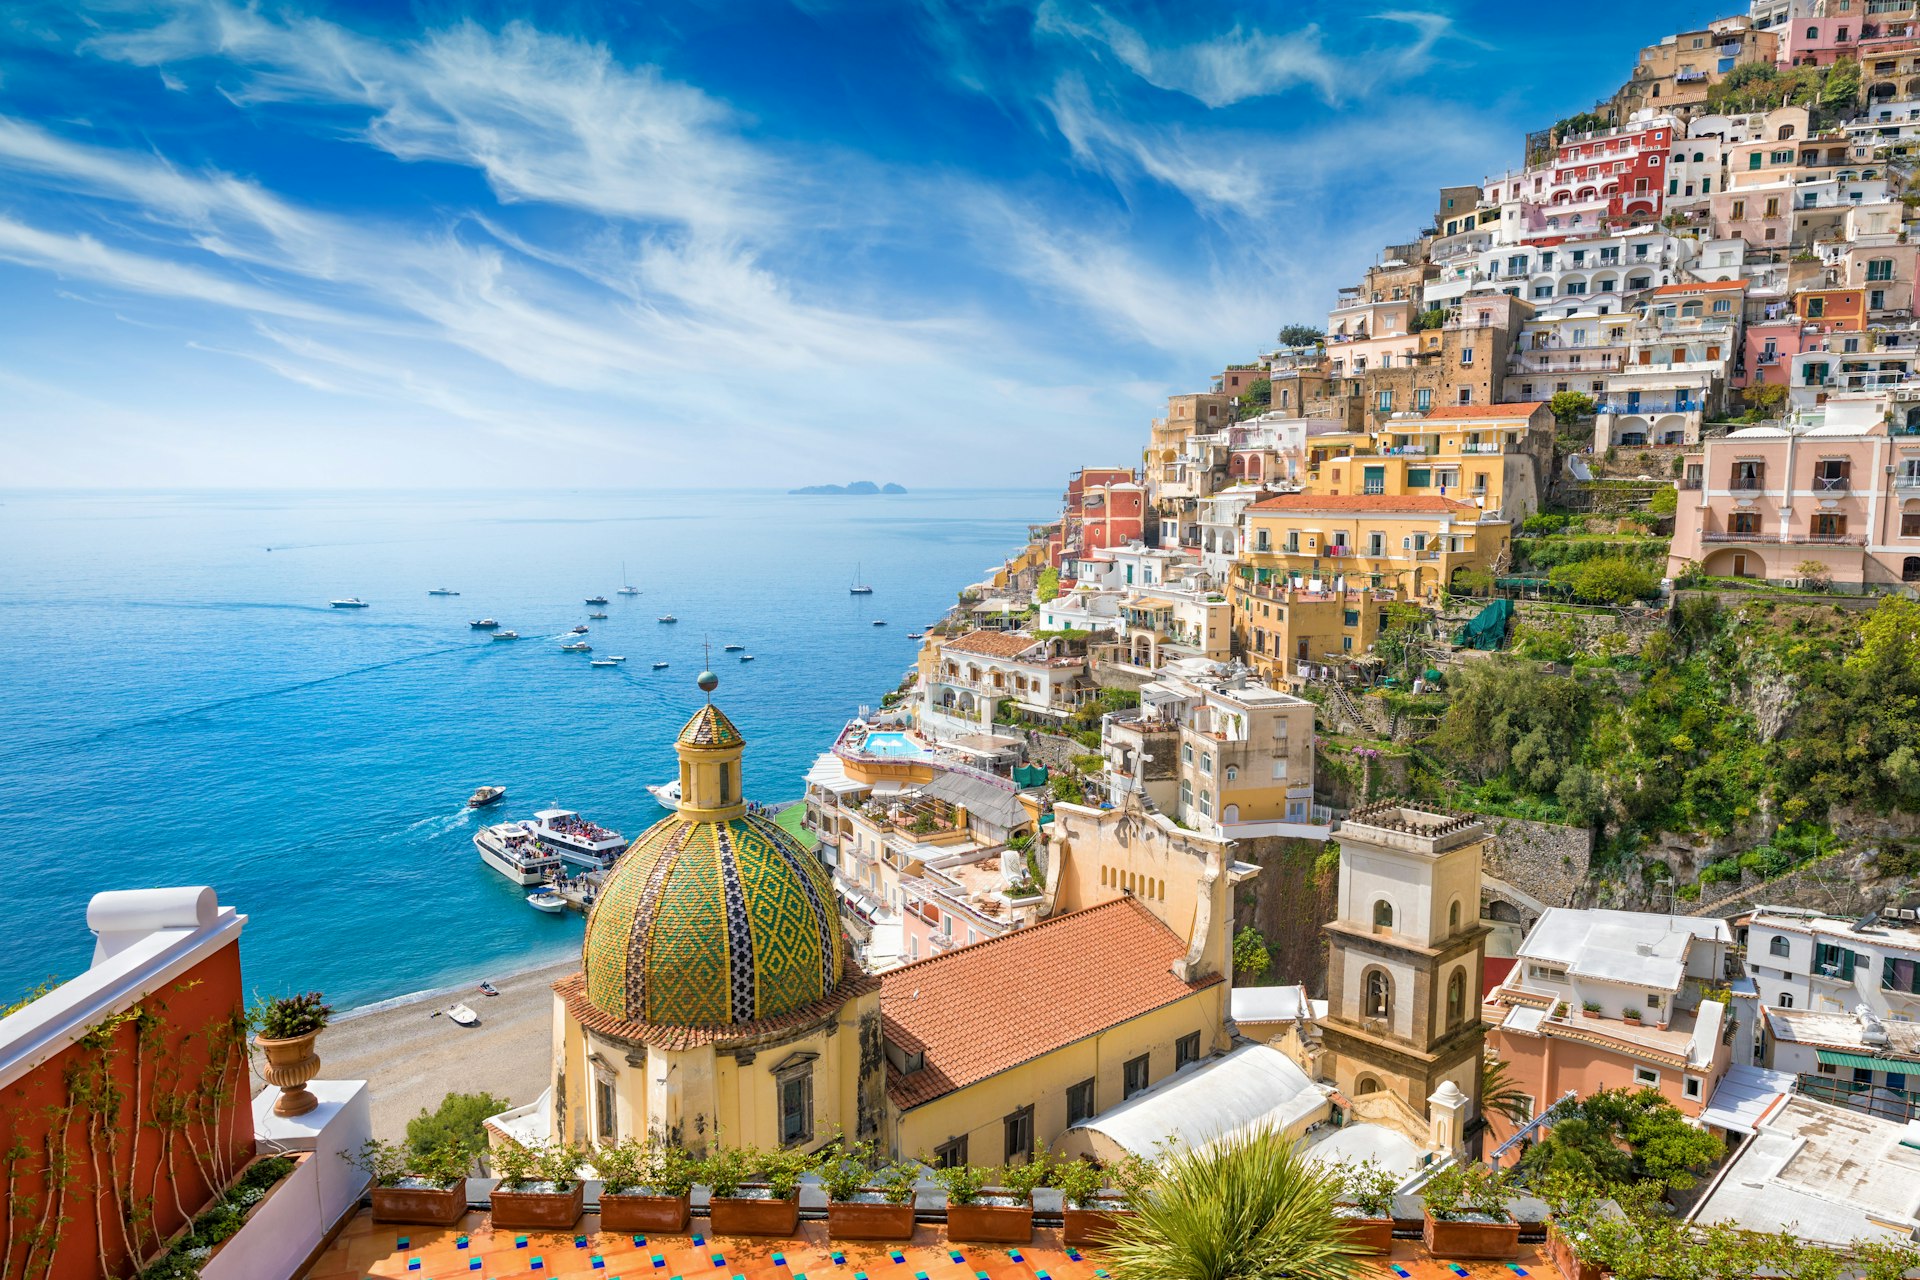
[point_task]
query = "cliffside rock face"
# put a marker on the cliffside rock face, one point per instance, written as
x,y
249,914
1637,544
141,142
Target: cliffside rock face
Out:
x,y
1545,860
1770,695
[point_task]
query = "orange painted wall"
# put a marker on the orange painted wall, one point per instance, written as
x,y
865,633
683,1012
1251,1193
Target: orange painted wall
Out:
x,y
75,1096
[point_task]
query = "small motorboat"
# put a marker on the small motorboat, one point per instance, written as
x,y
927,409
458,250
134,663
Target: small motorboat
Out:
x,y
596,617
483,624
746,657
351,602
731,648
486,796
879,622
667,617
548,901
602,662
596,599
616,657
578,646
916,635
506,635
464,1015
667,793
443,591
488,989
579,630
659,666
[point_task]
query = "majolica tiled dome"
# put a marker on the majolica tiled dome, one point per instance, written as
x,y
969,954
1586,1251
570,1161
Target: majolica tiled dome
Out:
x,y
712,921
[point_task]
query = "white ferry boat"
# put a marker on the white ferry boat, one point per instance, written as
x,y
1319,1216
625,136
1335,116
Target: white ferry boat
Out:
x,y
512,849
578,842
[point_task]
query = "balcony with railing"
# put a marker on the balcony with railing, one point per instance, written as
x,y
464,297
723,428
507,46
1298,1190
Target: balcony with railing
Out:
x,y
1832,484
1747,484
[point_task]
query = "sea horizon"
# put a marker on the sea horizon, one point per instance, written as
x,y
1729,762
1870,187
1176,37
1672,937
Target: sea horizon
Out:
x,y
186,708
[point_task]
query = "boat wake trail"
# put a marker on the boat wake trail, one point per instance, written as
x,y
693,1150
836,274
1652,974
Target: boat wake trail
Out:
x,y
168,717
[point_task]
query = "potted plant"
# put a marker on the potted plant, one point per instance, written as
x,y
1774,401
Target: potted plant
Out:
x,y
645,1186
768,1207
980,1216
285,1028
866,1201
539,1189
426,1187
1090,1213
1466,1214
1365,1206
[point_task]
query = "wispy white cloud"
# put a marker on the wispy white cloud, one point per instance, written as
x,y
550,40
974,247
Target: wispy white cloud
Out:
x,y
1242,62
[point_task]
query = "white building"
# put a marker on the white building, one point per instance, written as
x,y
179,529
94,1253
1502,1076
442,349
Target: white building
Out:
x,y
1803,960
1848,1055
1630,965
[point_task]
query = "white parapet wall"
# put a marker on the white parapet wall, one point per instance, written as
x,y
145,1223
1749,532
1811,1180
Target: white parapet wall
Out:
x,y
293,1222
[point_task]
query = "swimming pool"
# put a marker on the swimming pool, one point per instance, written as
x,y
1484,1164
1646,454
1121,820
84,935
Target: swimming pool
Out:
x,y
892,744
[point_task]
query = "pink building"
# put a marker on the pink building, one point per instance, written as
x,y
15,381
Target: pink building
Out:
x,y
1838,489
1769,350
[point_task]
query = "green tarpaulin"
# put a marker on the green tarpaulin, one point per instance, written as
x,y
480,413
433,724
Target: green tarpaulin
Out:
x,y
1835,1057
1488,630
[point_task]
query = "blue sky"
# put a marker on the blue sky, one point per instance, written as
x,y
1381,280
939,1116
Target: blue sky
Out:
x,y
946,242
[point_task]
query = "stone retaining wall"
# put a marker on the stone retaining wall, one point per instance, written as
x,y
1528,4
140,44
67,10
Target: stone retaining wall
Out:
x,y
1544,859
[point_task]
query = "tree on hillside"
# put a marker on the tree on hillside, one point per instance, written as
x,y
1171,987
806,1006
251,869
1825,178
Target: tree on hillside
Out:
x,y
1258,395
459,1122
1505,715
1570,406
1048,586
1841,86
1250,954
1300,335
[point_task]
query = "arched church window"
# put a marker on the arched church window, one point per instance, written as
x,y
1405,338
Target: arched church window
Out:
x,y
1453,916
1382,914
1456,997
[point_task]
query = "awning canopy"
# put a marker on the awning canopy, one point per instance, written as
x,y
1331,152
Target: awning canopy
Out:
x,y
1834,1057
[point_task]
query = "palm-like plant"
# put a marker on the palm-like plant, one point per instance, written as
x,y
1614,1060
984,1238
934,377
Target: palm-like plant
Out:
x,y
1500,1096
1246,1207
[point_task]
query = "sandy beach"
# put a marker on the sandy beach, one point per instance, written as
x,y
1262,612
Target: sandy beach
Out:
x,y
412,1060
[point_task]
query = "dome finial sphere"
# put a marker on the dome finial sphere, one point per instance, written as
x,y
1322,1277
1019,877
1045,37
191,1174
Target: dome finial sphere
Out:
x,y
707,681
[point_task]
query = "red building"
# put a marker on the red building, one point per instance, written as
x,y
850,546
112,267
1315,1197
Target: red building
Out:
x,y
1105,507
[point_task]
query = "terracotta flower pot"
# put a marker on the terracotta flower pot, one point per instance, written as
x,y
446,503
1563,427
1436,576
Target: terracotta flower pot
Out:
x,y
990,1223
1094,1225
538,1210
739,1216
1369,1235
866,1220
425,1206
1464,1238
1567,1259
290,1064
631,1212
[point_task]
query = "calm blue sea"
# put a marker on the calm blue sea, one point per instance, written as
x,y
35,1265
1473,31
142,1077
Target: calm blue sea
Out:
x,y
181,706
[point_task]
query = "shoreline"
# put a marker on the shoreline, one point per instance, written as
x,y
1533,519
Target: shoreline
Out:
x,y
448,992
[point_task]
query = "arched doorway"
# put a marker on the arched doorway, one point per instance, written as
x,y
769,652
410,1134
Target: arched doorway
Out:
x,y
1910,569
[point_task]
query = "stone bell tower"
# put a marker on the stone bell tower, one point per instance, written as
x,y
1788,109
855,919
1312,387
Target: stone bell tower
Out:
x,y
1404,955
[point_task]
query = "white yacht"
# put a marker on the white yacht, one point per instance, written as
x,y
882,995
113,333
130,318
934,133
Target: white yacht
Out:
x,y
626,588
667,793
578,842
511,849
351,602
602,662
548,901
443,591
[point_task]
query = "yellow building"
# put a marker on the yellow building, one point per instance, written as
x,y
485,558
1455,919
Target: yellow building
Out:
x,y
1409,544
1496,457
1278,626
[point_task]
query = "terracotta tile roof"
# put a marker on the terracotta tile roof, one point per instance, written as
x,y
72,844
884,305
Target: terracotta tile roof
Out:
x,y
573,990
1701,286
1514,409
993,644
1424,504
982,1009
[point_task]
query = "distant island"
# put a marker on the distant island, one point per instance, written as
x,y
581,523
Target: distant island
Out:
x,y
858,486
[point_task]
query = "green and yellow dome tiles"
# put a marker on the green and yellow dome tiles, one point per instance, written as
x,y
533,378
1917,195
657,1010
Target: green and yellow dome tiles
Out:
x,y
710,921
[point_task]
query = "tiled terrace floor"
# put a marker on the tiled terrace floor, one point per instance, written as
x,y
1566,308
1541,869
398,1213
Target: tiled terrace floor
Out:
x,y
365,1249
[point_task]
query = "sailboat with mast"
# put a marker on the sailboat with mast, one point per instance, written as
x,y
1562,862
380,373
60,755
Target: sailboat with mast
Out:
x,y
626,588
858,588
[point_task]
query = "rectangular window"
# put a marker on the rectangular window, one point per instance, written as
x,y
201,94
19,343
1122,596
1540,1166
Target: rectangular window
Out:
x,y
1079,1102
1691,1088
1019,1129
1384,402
1133,1076
1880,268
603,1106
1466,355
1646,1077
796,1109
950,1155
1186,1049
1423,399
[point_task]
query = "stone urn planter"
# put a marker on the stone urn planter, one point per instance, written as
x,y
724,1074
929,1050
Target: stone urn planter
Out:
x,y
422,1206
290,1064
1479,1236
538,1210
753,1215
984,1222
1368,1235
634,1212
873,1219
1094,1223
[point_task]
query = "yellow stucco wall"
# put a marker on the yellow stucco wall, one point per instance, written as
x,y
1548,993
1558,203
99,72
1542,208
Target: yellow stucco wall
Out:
x,y
979,1111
